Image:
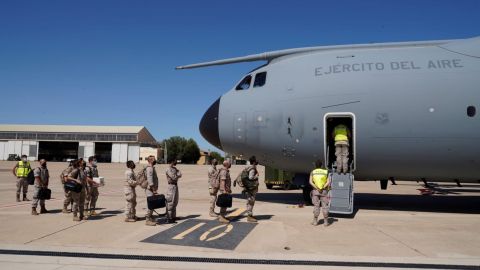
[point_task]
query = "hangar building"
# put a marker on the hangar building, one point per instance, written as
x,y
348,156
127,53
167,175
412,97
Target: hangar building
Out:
x,y
60,143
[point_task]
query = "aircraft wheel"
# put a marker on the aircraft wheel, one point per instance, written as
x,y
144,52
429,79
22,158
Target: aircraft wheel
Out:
x,y
269,186
306,195
287,186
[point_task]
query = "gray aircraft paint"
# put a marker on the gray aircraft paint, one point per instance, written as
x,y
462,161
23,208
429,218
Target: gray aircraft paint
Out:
x,y
410,106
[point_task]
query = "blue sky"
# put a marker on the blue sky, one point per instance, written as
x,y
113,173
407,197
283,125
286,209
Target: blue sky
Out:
x,y
111,62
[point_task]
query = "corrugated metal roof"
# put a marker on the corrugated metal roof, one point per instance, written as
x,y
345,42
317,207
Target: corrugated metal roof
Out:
x,y
71,129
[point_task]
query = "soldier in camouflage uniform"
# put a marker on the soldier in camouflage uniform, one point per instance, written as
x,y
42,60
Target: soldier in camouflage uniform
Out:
x,y
41,181
173,174
225,187
252,192
78,175
152,188
213,190
91,171
130,194
68,194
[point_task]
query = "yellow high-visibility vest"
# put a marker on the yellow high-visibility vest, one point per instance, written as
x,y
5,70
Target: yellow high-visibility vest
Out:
x,y
320,178
23,169
341,133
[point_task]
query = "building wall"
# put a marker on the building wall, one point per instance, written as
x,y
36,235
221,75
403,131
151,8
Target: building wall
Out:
x,y
29,148
147,151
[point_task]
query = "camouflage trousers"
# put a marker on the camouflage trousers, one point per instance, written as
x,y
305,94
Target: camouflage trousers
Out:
x,y
213,198
22,183
251,200
172,201
68,198
91,198
35,199
320,198
131,203
149,214
341,152
78,202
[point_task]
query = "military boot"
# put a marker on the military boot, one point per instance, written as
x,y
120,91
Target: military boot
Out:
x,y
76,218
93,213
85,213
18,197
65,210
130,219
251,219
326,223
213,214
150,222
222,219
43,210
315,221
34,211
25,199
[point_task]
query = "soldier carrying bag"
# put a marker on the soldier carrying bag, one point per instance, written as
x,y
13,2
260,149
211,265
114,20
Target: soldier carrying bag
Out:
x,y
224,200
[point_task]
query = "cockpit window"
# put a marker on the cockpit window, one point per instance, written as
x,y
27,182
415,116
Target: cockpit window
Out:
x,y
260,79
245,83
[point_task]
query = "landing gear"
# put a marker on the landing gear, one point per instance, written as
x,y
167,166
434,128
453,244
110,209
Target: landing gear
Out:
x,y
458,183
425,183
383,184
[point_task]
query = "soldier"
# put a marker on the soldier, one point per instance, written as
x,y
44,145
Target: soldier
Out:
x,y
68,194
91,171
212,188
152,188
21,171
252,191
320,182
225,187
41,181
78,175
341,135
130,194
173,174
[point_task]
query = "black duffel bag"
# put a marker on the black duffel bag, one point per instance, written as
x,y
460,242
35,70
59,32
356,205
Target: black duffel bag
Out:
x,y
224,200
44,194
73,186
31,178
156,201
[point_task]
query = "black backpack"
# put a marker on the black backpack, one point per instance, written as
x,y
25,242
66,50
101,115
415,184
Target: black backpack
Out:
x,y
31,178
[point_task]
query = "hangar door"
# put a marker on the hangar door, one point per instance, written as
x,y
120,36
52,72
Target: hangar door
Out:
x,y
57,151
119,152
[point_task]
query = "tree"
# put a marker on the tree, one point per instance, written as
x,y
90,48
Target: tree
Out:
x,y
182,149
217,156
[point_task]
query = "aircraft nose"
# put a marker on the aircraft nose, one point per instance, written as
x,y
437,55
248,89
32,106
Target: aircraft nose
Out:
x,y
209,125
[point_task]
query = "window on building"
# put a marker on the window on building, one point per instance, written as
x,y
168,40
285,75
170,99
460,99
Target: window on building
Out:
x,y
245,83
260,79
471,111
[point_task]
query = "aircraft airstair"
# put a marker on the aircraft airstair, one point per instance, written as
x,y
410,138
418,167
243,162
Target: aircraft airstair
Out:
x,y
341,193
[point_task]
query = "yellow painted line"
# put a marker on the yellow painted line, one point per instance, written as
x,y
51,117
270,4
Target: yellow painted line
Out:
x,y
227,230
185,233
237,212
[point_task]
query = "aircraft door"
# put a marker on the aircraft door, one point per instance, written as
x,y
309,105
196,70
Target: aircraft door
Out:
x,y
331,121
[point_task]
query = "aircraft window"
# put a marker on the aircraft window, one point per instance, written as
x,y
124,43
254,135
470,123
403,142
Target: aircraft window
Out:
x,y
260,79
471,111
245,83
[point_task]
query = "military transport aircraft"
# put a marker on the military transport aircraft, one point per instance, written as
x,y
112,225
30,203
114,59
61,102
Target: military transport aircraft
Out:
x,y
411,106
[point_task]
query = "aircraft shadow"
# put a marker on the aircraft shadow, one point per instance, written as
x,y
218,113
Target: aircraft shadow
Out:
x,y
418,203
280,197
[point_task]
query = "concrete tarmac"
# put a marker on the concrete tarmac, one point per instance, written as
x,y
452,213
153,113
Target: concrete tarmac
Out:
x,y
398,227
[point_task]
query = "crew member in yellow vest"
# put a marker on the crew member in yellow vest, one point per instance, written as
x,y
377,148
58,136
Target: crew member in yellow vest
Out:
x,y
21,171
320,182
341,135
